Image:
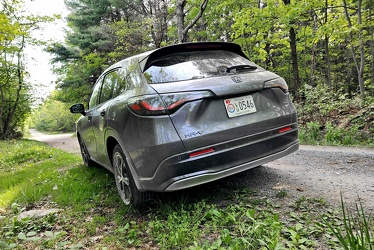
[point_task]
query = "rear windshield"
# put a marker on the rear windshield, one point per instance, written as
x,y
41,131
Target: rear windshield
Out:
x,y
192,65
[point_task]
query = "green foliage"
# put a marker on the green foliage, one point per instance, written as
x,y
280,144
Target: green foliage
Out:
x,y
131,38
331,118
53,116
112,30
15,99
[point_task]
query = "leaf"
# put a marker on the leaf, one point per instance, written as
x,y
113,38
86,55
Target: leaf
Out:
x,y
298,227
227,239
49,234
30,234
21,236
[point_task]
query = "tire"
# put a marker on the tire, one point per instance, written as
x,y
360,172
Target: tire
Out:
x,y
126,187
85,155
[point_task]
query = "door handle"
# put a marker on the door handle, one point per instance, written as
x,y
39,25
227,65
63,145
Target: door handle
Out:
x,y
102,113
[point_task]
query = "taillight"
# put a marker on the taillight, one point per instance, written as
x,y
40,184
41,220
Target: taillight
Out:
x,y
277,83
147,105
165,103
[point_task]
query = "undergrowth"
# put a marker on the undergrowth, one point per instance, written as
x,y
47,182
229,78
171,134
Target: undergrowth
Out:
x,y
329,117
90,215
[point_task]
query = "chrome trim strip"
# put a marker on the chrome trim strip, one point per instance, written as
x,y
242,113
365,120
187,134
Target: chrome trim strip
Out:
x,y
208,177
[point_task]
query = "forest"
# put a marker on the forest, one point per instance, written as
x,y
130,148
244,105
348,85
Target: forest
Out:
x,y
324,49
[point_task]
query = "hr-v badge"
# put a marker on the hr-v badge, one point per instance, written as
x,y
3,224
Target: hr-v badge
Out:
x,y
236,79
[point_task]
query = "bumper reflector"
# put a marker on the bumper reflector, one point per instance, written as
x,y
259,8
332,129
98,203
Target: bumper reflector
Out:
x,y
201,152
282,130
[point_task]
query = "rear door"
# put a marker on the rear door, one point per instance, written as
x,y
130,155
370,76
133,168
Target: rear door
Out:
x,y
110,88
86,124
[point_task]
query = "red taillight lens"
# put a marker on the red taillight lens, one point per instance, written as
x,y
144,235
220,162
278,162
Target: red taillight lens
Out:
x,y
165,103
147,105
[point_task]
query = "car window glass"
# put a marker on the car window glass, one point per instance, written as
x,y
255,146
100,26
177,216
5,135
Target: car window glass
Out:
x,y
192,65
120,84
133,76
95,94
110,80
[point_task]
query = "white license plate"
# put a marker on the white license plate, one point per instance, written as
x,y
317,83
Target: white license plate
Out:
x,y
240,106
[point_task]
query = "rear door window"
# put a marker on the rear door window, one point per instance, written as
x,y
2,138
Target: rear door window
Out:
x,y
112,86
94,100
192,65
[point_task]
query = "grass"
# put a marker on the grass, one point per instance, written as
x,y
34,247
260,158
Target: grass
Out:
x,y
356,231
220,215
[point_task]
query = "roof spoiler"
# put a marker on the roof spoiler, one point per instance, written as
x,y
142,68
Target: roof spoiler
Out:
x,y
188,47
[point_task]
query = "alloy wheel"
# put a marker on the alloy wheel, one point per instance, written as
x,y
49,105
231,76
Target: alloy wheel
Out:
x,y
122,177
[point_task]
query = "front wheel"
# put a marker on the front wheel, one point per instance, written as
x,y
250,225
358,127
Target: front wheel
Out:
x,y
127,189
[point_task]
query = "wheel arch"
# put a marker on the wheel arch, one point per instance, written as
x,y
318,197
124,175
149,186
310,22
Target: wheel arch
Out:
x,y
110,144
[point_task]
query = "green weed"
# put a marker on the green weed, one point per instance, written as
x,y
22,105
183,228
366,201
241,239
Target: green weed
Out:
x,y
355,231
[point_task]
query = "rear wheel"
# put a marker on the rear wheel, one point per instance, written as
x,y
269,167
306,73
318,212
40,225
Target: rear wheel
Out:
x,y
85,155
127,189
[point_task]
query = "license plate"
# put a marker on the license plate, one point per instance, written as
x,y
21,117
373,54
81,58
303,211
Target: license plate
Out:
x,y
240,106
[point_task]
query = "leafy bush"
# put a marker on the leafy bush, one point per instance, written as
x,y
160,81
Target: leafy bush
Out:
x,y
54,116
331,118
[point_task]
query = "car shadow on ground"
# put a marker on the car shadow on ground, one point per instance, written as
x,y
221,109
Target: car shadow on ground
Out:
x,y
256,182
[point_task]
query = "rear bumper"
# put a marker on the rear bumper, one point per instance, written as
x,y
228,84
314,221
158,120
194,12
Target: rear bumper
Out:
x,y
208,177
182,171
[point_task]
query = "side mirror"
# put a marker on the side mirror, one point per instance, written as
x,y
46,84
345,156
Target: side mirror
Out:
x,y
77,109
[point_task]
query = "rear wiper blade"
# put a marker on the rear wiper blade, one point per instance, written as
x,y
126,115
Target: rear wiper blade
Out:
x,y
240,67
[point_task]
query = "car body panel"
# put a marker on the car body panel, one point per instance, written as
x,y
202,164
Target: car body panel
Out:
x,y
161,149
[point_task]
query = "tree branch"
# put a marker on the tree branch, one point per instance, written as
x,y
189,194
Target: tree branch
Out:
x,y
193,22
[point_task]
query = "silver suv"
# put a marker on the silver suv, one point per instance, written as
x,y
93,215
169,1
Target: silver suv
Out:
x,y
184,115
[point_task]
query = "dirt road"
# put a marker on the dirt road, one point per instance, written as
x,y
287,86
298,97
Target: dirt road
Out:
x,y
324,172
312,172
67,142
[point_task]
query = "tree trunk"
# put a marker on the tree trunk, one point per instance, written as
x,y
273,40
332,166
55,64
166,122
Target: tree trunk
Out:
x,y
295,64
180,18
359,63
158,11
327,51
294,61
182,32
371,42
327,61
12,109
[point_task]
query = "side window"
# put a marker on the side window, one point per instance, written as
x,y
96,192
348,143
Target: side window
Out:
x,y
110,86
120,86
94,100
133,77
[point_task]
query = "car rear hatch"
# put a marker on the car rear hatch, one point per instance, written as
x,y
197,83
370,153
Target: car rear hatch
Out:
x,y
217,95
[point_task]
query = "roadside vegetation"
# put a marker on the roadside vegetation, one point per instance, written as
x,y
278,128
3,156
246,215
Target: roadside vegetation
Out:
x,y
220,215
331,118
